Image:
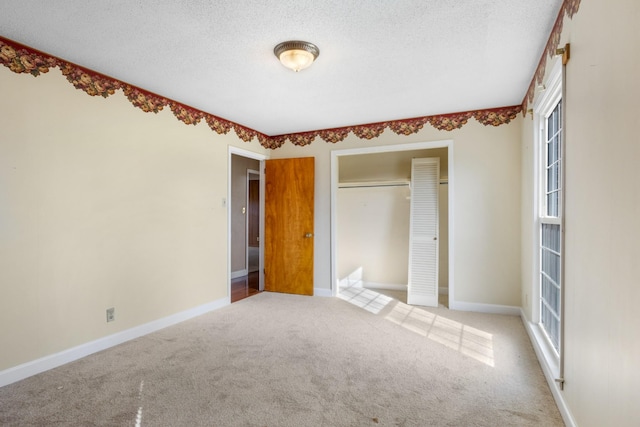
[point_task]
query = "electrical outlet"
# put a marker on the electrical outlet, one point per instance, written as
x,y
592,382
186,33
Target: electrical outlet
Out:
x,y
111,314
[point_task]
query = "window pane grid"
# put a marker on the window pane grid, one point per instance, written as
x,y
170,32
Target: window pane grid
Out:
x,y
553,203
550,266
550,238
550,230
552,164
553,176
551,326
550,296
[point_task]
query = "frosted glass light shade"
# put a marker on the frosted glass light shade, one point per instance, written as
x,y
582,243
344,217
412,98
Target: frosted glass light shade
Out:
x,y
296,55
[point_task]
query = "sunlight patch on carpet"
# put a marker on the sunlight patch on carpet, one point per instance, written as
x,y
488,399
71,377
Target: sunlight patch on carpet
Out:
x,y
139,414
465,339
364,298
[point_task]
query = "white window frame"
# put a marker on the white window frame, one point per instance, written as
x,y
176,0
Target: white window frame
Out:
x,y
542,109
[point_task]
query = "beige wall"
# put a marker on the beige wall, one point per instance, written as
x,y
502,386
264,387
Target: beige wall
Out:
x,y
102,205
486,164
602,368
373,233
391,166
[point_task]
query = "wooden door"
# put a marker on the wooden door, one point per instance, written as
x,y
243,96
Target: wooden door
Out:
x,y
288,239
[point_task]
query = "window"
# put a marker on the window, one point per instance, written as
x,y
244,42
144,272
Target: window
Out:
x,y
550,232
549,141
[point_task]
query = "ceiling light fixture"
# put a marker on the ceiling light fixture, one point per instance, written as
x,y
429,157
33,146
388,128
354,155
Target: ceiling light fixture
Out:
x,y
296,55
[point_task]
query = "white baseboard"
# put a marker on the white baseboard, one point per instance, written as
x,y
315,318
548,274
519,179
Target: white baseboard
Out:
x,y
389,286
485,308
37,366
322,292
239,273
548,373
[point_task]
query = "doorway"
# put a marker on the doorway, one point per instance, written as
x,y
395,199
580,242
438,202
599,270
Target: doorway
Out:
x,y
381,175
291,195
245,205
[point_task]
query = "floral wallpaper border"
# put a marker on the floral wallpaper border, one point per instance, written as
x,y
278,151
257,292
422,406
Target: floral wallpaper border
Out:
x,y
22,59
568,8
25,60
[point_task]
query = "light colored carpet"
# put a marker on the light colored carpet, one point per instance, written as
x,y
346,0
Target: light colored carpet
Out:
x,y
285,360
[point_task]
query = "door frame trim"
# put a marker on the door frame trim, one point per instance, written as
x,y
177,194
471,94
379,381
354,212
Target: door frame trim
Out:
x,y
227,202
336,154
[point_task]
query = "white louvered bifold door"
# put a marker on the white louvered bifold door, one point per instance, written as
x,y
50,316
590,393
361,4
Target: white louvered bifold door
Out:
x,y
423,238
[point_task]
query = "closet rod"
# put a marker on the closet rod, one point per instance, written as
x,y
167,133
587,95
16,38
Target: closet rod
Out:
x,y
382,184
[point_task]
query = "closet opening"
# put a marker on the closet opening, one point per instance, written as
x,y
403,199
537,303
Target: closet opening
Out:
x,y
371,223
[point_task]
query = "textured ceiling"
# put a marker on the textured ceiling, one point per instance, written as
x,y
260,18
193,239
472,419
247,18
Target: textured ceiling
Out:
x,y
379,60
